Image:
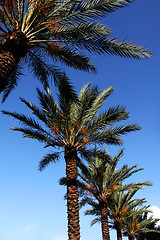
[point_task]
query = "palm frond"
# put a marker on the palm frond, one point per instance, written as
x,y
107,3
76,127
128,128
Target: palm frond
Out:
x,y
86,98
51,110
124,49
37,112
71,58
43,71
81,10
48,159
34,134
113,115
112,135
12,81
107,137
94,212
94,221
92,153
84,30
25,120
67,95
91,102
99,101
63,181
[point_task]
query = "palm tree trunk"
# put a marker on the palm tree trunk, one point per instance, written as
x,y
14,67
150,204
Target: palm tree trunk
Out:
x,y
72,194
7,65
119,233
14,47
130,237
104,221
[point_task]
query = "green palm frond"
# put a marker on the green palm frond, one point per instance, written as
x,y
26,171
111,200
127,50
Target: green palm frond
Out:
x,y
136,185
72,58
95,8
63,181
120,48
91,103
67,95
12,81
48,159
83,31
37,112
42,70
92,212
87,96
90,153
26,121
112,134
113,115
94,221
130,171
47,103
99,101
89,200
34,134
107,137
126,172
84,90
125,129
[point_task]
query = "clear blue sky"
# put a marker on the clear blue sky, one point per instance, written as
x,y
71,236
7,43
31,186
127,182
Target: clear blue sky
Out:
x,y
31,202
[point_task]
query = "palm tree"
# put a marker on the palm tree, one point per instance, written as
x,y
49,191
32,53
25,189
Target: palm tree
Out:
x,y
33,30
135,225
121,204
154,231
100,179
73,125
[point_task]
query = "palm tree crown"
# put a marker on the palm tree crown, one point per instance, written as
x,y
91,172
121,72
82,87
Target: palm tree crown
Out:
x,y
34,30
152,229
74,121
122,205
136,225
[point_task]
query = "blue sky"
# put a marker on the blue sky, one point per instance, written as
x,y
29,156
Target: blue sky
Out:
x,y
31,203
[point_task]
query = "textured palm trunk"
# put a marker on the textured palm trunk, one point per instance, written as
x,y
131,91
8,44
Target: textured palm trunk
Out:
x,y
14,47
119,233
131,237
72,194
104,221
7,65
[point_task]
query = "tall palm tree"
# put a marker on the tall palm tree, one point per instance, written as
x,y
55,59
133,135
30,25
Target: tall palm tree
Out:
x,y
121,204
33,30
73,125
100,180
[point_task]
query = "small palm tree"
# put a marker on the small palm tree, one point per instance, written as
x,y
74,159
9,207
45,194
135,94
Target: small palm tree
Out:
x,y
153,230
121,204
73,125
100,179
33,30
135,225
